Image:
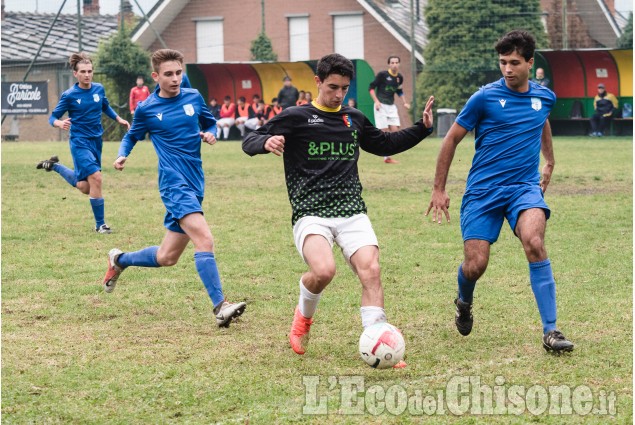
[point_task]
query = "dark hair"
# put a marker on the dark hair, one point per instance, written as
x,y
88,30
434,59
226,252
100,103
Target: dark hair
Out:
x,y
256,96
165,55
227,98
242,99
519,41
213,98
335,64
77,58
395,57
275,99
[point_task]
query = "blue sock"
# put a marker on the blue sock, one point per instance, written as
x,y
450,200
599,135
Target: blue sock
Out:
x,y
66,173
208,271
466,287
146,257
98,211
544,287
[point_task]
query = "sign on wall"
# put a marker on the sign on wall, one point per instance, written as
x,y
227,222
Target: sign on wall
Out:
x,y
25,98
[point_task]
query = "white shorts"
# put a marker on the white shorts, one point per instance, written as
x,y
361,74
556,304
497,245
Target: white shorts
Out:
x,y
349,233
386,116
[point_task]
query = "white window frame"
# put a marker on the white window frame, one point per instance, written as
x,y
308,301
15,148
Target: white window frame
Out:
x,y
348,34
210,49
299,46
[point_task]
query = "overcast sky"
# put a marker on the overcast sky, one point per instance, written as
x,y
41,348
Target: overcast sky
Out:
x,y
110,7
106,7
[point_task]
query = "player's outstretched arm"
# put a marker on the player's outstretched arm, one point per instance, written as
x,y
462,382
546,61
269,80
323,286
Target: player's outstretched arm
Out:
x,y
123,122
428,118
547,152
440,200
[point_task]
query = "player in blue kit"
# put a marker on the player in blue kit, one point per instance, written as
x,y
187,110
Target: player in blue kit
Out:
x,y
509,117
84,102
177,120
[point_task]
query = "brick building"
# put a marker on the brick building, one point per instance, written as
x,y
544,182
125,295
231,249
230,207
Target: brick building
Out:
x,y
220,31
22,35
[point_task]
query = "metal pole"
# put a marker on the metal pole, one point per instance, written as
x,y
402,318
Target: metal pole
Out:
x,y
79,25
123,23
565,41
413,62
165,46
262,11
28,70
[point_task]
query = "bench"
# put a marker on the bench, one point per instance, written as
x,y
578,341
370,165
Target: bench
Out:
x,y
582,126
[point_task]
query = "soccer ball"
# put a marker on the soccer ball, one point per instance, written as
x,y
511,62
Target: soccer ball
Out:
x,y
381,345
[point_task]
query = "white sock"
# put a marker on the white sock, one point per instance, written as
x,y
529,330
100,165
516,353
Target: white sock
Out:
x,y
308,301
226,132
371,315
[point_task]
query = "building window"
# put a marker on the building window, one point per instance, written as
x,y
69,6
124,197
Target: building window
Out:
x,y
65,82
209,40
299,37
348,34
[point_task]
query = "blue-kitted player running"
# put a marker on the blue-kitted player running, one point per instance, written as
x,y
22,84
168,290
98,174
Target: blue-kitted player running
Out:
x,y
84,102
177,120
509,117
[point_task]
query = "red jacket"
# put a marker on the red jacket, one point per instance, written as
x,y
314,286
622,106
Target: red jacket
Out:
x,y
137,94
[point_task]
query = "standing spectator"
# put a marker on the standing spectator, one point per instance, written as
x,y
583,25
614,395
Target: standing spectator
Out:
x,y
137,94
214,108
288,95
604,104
179,123
227,117
540,78
352,102
84,102
382,90
308,97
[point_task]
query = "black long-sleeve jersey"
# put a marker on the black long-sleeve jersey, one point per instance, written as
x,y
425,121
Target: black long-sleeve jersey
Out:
x,y
386,85
321,152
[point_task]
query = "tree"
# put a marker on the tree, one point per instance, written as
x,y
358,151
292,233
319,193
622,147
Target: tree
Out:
x,y
460,55
261,49
118,63
626,39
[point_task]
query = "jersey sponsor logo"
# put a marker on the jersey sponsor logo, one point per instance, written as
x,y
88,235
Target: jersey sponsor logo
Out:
x,y
160,116
536,104
331,151
502,102
189,109
347,120
96,97
315,120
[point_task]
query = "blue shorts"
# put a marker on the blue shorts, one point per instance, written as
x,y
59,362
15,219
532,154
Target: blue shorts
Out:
x,y
483,210
86,154
179,202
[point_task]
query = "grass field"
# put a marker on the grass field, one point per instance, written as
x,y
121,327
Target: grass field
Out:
x,y
151,353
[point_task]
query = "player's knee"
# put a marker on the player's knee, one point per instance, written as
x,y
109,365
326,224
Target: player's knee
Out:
x,y
474,268
371,270
534,246
324,273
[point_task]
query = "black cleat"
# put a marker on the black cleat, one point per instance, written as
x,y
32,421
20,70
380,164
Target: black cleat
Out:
x,y
47,164
463,319
554,341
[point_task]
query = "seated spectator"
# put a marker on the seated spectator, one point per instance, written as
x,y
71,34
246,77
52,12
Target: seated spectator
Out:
x,y
540,78
227,117
604,104
308,97
214,108
273,109
258,118
242,114
301,98
352,102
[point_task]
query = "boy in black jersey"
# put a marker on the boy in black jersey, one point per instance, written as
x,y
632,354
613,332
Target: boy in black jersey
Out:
x,y
320,145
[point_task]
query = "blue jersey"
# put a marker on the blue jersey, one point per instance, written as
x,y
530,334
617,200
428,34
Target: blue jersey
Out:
x,y
84,107
174,124
508,128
